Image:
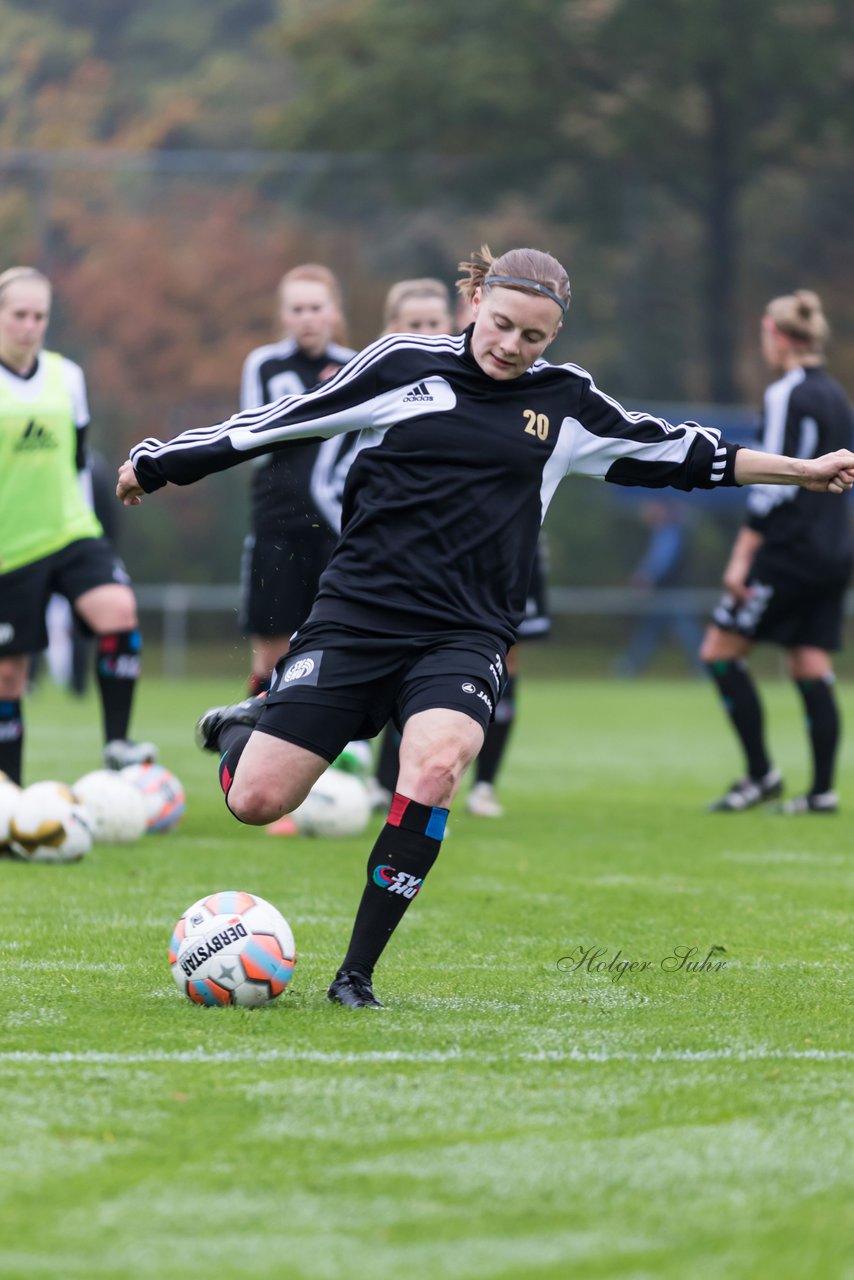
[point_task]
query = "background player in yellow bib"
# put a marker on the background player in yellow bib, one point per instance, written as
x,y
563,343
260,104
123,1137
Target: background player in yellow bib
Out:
x,y
50,538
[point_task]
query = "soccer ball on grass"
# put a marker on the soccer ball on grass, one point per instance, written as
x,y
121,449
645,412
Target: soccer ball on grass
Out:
x,y
337,805
232,948
48,825
163,794
116,808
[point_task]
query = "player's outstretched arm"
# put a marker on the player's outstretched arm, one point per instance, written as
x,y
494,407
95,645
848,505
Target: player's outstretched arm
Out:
x,y
128,491
831,473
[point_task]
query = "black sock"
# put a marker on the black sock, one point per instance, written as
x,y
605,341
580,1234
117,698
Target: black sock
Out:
x,y
11,739
736,687
118,665
388,761
497,735
823,726
232,740
404,852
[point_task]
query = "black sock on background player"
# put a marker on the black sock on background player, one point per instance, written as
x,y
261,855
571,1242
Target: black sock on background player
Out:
x,y
823,727
118,667
11,739
741,700
497,735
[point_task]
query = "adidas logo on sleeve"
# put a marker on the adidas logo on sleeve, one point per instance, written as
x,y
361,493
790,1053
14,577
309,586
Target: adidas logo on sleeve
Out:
x,y
419,394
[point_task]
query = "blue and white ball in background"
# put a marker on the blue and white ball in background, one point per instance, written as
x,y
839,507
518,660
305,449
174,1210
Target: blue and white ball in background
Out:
x,y
165,801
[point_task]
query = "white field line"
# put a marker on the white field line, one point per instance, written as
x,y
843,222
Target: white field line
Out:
x,y
201,1056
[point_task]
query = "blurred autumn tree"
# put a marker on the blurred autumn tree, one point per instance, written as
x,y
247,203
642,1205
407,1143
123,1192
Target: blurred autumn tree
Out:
x,y
629,120
164,277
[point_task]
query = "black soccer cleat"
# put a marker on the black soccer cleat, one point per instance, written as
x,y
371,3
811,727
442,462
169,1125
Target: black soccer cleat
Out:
x,y
215,719
747,793
351,988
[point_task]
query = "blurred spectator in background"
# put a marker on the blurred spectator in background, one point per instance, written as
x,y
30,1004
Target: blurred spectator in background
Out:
x,y
663,565
790,567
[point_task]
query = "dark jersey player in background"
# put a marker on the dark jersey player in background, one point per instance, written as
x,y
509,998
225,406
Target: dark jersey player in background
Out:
x,y
293,529
790,566
464,441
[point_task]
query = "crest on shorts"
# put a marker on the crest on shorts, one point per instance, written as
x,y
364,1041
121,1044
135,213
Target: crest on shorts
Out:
x,y
302,670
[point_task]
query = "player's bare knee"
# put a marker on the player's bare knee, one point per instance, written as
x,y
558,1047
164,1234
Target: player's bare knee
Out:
x,y
438,775
253,804
123,612
710,649
13,680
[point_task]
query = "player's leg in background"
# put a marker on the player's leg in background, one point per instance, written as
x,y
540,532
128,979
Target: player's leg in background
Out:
x,y
725,655
13,684
59,620
81,658
382,786
812,671
266,652
482,800
110,613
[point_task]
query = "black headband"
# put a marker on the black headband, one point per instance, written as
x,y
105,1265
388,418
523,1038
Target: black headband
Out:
x,y
528,284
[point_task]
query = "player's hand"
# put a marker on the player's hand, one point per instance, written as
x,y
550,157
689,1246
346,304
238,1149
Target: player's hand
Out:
x,y
128,491
831,473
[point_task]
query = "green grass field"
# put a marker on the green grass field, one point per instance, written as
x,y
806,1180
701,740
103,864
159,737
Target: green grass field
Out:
x,y
509,1113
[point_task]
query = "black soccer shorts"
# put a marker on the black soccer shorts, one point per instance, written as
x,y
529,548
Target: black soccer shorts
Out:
x,y
279,574
337,684
786,611
24,592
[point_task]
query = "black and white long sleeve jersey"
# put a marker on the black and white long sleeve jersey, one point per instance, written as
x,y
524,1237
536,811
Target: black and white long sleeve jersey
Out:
x,y
444,501
289,494
805,413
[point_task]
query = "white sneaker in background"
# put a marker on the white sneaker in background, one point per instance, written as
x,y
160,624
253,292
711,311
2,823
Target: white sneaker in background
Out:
x,y
482,801
119,753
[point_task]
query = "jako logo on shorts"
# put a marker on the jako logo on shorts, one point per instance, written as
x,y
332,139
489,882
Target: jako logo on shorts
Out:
x,y
469,688
396,881
301,668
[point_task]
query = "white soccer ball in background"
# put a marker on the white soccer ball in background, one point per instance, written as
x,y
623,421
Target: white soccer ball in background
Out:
x,y
116,808
162,792
232,948
9,792
337,805
48,825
